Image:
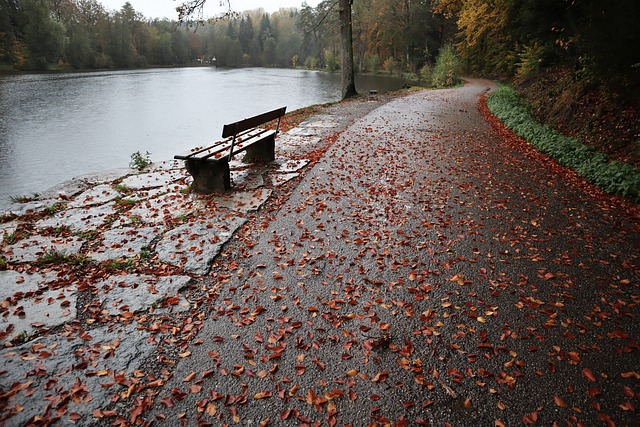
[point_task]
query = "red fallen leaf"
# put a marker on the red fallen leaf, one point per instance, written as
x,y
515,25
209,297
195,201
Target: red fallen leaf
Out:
x,y
263,395
558,401
627,406
189,377
531,418
593,392
321,365
167,401
628,392
380,377
311,397
284,415
586,372
211,409
74,416
500,423
374,397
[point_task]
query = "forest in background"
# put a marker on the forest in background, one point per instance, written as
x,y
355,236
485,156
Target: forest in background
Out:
x,y
576,61
596,39
81,34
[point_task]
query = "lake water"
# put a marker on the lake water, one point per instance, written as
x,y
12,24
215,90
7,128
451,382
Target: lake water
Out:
x,y
54,127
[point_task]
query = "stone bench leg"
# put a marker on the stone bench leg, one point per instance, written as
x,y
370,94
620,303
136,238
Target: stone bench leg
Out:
x,y
209,177
261,151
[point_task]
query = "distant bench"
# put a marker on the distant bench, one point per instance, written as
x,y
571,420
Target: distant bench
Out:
x,y
209,166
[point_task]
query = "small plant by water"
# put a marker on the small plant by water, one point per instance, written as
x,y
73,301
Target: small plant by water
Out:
x,y
140,161
25,199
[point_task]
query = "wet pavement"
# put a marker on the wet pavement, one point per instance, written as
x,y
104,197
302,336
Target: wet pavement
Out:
x,y
423,271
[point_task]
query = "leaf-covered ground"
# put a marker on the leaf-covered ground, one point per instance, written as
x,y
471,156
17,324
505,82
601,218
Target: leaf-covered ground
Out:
x,y
431,269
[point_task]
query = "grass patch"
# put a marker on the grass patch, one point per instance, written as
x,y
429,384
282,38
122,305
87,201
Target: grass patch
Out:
x,y
3,264
88,235
54,209
122,189
57,257
611,176
120,264
11,238
25,199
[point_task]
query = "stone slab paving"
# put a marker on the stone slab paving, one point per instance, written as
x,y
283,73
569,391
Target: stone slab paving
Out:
x,y
288,165
248,178
97,195
42,375
280,179
29,305
134,292
194,245
164,208
80,219
16,282
161,178
244,202
125,242
33,248
20,209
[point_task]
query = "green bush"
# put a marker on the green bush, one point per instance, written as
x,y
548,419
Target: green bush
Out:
x,y
611,176
447,68
140,161
426,73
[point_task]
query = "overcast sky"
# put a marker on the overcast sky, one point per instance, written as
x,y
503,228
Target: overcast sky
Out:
x,y
167,8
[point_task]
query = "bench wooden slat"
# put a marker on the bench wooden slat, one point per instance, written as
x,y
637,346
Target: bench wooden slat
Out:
x,y
196,151
239,145
237,127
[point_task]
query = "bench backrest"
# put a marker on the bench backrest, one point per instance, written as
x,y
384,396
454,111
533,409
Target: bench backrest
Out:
x,y
232,129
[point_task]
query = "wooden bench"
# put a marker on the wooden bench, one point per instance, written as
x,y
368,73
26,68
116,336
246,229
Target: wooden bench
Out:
x,y
209,166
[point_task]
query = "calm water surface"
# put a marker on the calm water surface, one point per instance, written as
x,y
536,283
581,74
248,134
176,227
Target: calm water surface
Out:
x,y
54,127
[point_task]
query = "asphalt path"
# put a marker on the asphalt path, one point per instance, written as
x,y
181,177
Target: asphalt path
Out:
x,y
425,271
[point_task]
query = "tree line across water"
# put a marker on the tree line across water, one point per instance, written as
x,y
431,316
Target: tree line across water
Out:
x,y
81,34
595,38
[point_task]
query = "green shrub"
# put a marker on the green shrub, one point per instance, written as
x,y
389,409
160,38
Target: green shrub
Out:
x,y
447,69
373,63
426,74
611,176
140,161
389,64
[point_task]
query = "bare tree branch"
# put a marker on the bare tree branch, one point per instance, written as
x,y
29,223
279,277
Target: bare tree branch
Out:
x,y
193,10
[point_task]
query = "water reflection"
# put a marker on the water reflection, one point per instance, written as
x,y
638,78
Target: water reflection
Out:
x,y
57,126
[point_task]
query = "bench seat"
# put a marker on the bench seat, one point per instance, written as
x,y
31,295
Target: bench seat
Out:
x,y
209,165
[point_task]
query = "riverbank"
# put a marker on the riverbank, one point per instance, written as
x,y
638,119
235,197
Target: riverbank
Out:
x,y
443,252
95,121
103,254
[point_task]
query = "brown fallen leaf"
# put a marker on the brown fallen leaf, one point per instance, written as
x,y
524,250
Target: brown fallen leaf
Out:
x,y
558,401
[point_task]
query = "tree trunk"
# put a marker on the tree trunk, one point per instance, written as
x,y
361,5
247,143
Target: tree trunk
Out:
x,y
346,50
